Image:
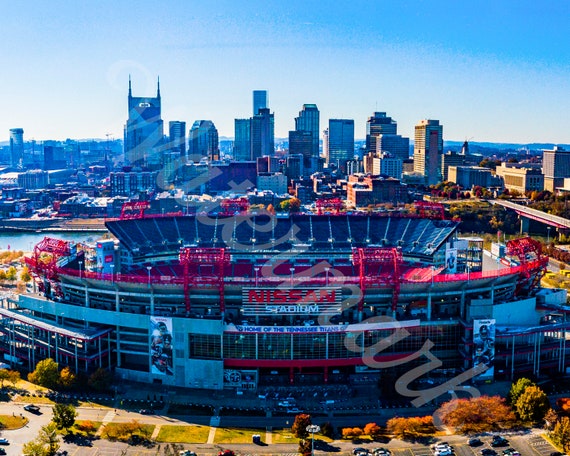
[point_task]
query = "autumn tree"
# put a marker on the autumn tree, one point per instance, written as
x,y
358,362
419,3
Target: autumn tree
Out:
x,y
560,435
517,389
25,275
305,447
45,444
532,404
46,374
100,380
550,419
64,416
372,429
477,414
9,376
351,432
299,428
67,378
411,427
12,273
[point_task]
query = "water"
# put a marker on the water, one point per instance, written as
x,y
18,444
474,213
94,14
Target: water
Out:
x,y
26,241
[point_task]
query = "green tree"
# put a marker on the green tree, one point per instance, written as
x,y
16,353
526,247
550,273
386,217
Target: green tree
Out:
x,y
4,377
50,438
34,448
25,275
299,427
532,404
64,416
46,374
100,380
12,273
517,389
560,435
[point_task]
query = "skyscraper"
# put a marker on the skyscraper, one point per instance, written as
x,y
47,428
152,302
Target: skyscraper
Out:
x,y
308,121
177,137
259,101
16,147
428,148
262,134
340,142
376,125
242,139
203,141
396,145
555,167
144,129
301,143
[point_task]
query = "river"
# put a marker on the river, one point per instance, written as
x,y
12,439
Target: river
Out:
x,y
26,241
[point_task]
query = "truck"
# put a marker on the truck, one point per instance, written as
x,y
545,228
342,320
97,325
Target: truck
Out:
x,y
12,360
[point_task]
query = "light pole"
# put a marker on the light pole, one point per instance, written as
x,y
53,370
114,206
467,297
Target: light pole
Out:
x,y
112,273
313,429
327,276
80,266
468,272
548,235
256,275
292,271
148,268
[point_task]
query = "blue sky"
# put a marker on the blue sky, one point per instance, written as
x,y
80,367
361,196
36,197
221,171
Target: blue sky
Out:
x,y
488,70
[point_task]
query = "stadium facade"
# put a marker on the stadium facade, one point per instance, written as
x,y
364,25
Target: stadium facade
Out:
x,y
234,300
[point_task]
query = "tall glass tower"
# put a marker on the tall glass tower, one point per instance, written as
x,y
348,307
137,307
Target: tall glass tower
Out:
x,y
259,101
309,120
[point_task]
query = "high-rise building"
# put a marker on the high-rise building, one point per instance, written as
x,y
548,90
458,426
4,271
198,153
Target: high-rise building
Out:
x,y
448,159
308,121
262,133
242,139
259,101
16,147
428,148
396,145
203,141
376,125
177,137
144,129
301,143
340,144
555,167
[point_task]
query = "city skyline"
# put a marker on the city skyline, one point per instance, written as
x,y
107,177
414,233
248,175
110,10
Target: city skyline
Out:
x,y
493,73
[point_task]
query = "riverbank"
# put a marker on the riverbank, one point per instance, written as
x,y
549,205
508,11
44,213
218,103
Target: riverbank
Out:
x,y
52,225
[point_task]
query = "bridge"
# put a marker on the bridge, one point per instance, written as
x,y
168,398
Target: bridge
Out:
x,y
559,223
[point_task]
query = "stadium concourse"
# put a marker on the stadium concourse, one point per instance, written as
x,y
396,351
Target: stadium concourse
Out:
x,y
254,301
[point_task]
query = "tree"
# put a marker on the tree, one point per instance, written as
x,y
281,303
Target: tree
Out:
x,y
560,435
50,438
12,273
100,380
517,389
532,404
327,429
305,447
477,414
372,429
34,448
67,378
299,428
4,376
25,275
411,427
2,274
550,419
46,374
13,377
64,416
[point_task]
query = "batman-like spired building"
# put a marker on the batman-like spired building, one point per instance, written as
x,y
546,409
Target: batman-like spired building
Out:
x,y
144,130
234,300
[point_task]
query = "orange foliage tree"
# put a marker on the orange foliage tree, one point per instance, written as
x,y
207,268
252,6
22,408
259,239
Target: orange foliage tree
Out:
x,y
477,414
411,427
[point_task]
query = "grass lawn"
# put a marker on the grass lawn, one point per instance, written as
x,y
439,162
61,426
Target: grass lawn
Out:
x,y
183,434
86,427
8,422
284,436
235,435
113,429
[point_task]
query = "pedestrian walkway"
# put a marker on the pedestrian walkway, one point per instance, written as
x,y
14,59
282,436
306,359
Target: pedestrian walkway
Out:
x,y
268,437
155,432
211,435
106,420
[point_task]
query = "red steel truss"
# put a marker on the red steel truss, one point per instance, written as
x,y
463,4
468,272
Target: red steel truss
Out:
x,y
380,266
134,210
216,258
528,250
234,205
326,204
427,209
43,263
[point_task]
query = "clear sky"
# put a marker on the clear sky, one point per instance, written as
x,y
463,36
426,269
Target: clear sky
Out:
x,y
491,70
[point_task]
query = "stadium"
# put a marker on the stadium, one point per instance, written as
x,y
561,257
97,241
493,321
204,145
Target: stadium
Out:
x,y
239,300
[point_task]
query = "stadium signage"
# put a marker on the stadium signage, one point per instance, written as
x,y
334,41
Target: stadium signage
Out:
x,y
291,301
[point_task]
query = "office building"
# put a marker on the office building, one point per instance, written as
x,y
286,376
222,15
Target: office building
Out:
x,y
376,125
259,101
16,147
520,178
262,134
555,167
203,141
309,121
274,182
144,130
301,143
396,145
339,144
177,137
428,147
469,176
448,159
242,139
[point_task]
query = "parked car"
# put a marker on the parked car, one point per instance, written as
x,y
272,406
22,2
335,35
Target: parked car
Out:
x,y
146,412
499,441
381,452
488,452
186,453
4,442
359,450
32,408
474,442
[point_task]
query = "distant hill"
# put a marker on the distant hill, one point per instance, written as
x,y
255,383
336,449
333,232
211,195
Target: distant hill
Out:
x,y
506,146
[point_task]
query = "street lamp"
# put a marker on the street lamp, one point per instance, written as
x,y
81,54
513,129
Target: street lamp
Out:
x,y
327,276
148,268
292,270
80,266
468,271
113,273
313,429
548,235
256,275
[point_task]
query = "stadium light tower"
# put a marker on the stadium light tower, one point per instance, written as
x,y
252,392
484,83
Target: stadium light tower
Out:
x,y
292,271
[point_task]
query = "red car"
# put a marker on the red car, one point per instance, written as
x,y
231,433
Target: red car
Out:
x,y
226,453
